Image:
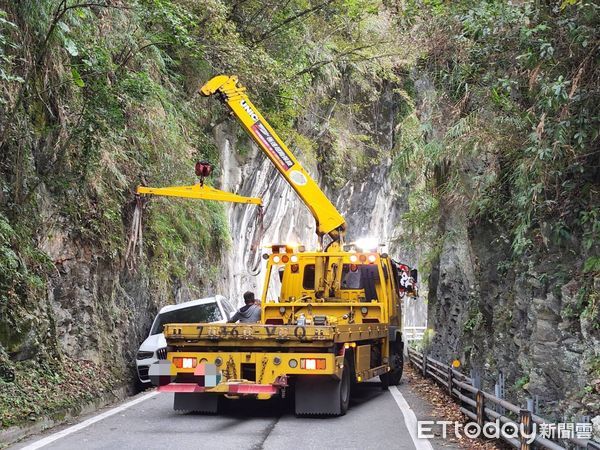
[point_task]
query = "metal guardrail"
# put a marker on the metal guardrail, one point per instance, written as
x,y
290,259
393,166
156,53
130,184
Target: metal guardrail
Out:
x,y
475,405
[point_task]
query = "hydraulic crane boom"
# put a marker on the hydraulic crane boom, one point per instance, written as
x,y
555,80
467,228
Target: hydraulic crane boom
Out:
x,y
329,221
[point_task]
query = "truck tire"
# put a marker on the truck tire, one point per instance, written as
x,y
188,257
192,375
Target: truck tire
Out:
x,y
345,387
393,377
322,395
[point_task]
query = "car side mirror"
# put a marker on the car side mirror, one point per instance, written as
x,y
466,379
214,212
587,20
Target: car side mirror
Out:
x,y
414,274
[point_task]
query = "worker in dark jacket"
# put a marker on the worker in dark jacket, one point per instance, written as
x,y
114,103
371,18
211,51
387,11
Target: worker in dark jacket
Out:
x,y
250,313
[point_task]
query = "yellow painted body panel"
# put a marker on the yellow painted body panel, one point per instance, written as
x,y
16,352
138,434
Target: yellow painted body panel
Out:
x,y
280,336
199,192
267,371
247,334
363,358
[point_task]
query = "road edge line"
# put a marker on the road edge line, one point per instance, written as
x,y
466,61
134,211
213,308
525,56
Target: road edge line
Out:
x,y
410,420
86,423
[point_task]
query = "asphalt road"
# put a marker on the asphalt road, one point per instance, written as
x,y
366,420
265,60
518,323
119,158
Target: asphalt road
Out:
x,y
375,420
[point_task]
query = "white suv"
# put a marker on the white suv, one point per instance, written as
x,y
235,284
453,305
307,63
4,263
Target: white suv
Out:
x,y
212,309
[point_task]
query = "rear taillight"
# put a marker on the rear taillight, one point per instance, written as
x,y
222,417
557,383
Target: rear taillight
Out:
x,y
185,363
312,363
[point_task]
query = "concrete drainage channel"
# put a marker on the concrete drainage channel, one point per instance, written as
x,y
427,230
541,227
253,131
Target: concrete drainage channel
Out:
x,y
16,433
484,408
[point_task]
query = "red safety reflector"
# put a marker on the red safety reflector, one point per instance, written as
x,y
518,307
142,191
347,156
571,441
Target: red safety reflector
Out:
x,y
247,388
185,363
312,363
285,258
362,258
181,387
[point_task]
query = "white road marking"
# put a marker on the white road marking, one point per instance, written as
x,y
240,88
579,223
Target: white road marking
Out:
x,y
86,423
410,420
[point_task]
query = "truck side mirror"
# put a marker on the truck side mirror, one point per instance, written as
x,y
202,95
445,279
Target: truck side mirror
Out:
x,y
414,274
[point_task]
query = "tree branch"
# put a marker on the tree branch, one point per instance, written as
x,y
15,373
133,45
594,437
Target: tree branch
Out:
x,y
58,15
272,31
131,53
339,56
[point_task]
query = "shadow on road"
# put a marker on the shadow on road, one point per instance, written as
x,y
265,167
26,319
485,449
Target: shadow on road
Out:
x,y
364,393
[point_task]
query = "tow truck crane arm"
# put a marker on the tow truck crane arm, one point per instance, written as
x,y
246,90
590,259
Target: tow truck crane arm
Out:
x,y
200,192
329,220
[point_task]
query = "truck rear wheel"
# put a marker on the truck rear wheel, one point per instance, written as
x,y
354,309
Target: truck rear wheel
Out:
x,y
345,386
321,395
393,377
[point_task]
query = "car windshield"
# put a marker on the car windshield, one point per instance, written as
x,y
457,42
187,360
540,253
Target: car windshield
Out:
x,y
208,312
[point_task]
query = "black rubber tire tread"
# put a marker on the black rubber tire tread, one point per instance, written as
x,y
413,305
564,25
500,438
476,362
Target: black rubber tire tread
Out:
x,y
393,377
345,387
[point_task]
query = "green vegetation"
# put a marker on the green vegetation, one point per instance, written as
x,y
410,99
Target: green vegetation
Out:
x,y
508,135
473,322
521,382
520,90
98,98
500,135
58,388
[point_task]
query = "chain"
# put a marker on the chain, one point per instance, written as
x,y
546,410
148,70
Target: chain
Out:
x,y
231,369
262,372
255,245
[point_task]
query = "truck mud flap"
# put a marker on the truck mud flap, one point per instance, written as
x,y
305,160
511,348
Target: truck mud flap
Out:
x,y
317,396
196,402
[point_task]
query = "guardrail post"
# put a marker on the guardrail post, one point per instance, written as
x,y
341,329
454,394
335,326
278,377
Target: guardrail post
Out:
x,y
480,400
525,428
530,406
499,392
450,380
476,377
424,363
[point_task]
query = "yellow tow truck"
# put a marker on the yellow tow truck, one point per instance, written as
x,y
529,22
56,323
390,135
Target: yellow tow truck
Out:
x,y
329,318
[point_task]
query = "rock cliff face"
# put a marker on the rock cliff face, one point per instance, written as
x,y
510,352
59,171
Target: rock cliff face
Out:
x,y
521,319
519,324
